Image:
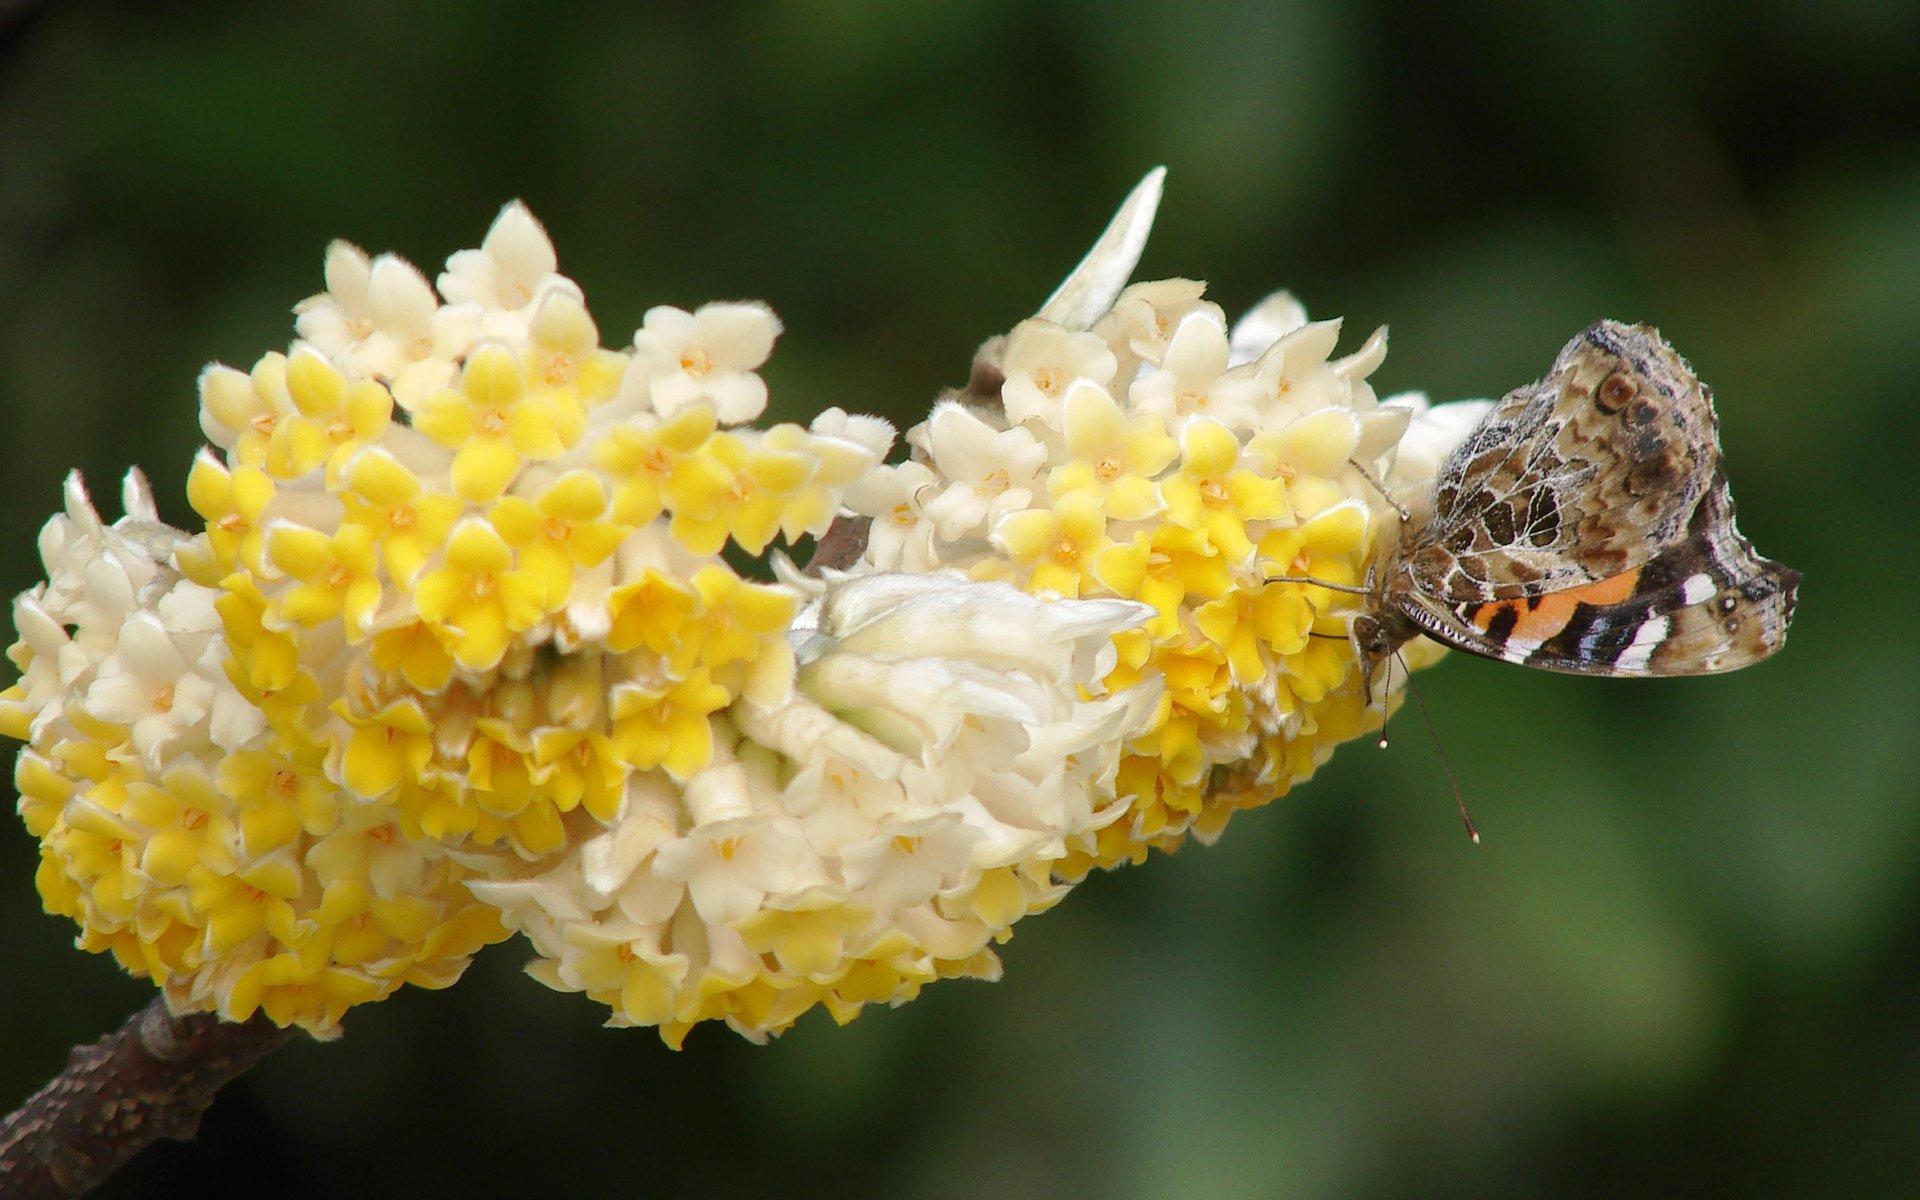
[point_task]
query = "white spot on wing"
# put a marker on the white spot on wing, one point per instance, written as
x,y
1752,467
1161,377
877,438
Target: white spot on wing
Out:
x,y
1648,636
1698,588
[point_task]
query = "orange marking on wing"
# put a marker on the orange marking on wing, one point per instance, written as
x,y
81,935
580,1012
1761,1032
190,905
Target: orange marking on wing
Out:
x,y
1551,612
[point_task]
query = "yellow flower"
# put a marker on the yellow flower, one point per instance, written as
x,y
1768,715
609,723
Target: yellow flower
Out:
x,y
243,411
583,769
386,748
334,417
558,532
408,521
277,798
565,360
666,725
1056,546
740,621
838,462
337,576
232,503
477,596
1276,616
1215,495
1114,458
644,459
492,423
417,653
190,826
1330,546
732,487
652,611
1162,568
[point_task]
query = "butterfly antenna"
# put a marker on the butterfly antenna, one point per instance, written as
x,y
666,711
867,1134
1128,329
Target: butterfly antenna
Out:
x,y
1351,589
1386,690
1381,488
1459,801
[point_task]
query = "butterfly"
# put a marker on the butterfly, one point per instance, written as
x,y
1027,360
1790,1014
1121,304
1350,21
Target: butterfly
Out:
x,y
1585,526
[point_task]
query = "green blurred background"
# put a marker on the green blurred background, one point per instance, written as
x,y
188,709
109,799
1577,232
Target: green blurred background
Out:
x,y
1684,963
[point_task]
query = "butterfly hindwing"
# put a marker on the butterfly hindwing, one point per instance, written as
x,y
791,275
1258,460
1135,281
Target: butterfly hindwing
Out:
x,y
1707,604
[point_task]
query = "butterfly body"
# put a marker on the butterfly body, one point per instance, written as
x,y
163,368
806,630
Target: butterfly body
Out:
x,y
1585,526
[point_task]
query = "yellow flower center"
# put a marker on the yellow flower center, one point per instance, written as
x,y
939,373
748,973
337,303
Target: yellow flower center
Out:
x,y
1190,401
656,461
339,577
263,424
285,781
696,362
359,327
482,586
905,844
492,422
1066,552
559,369
515,295
1108,469
556,529
163,699
419,346
994,483
402,519
383,834
1213,494
1049,380
903,513
341,431
624,952
726,848
231,523
192,819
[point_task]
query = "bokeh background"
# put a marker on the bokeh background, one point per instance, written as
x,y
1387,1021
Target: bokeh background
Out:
x,y
1687,959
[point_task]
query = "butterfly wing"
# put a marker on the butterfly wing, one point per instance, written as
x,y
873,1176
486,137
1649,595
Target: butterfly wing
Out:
x,y
1579,478
1707,604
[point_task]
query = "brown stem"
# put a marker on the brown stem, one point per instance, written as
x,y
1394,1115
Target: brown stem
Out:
x,y
153,1078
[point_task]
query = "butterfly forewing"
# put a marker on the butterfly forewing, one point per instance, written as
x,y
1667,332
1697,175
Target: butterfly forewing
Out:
x,y
1586,474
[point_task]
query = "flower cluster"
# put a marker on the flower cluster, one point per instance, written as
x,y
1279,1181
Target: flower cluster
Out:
x,y
1137,446
175,828
461,648
460,627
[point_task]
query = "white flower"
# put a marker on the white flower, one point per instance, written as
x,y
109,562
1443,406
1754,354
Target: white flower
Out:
x,y
150,686
731,867
1042,361
906,861
338,319
709,354
1263,325
1136,329
991,471
1192,379
507,277
901,536
414,341
873,433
